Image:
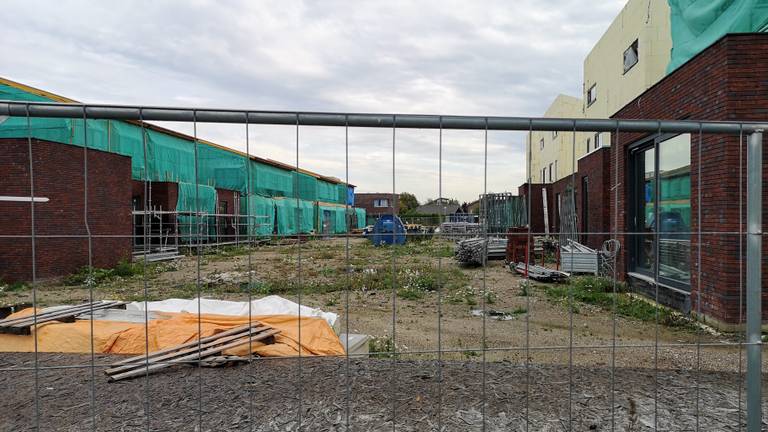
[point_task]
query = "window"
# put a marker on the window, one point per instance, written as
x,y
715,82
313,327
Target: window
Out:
x,y
223,207
554,134
661,191
597,141
544,175
630,56
550,173
555,170
592,94
589,143
541,144
381,203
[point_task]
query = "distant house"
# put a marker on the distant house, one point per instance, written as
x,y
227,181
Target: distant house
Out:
x,y
440,206
376,204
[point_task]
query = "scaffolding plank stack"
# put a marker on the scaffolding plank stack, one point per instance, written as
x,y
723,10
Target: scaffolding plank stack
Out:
x,y
23,325
208,351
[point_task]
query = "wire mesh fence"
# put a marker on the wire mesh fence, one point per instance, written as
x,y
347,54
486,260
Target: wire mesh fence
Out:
x,y
665,335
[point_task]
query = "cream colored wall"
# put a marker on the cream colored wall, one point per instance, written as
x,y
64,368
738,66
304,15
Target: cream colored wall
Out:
x,y
557,148
644,20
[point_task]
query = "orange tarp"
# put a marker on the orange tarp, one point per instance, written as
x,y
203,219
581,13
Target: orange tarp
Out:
x,y
317,337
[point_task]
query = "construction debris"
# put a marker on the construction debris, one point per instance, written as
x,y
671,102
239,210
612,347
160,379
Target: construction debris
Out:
x,y
23,325
473,251
577,258
460,229
539,273
208,351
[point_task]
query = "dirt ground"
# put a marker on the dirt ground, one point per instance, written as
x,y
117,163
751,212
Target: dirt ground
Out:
x,y
280,394
318,267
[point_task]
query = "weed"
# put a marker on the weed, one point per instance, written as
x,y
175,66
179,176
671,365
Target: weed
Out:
x,y
519,311
490,296
525,288
381,347
599,292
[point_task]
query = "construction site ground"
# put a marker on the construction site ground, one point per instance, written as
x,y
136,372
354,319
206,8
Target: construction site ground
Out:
x,y
430,293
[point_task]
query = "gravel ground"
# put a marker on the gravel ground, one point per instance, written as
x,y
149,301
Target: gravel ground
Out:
x,y
271,394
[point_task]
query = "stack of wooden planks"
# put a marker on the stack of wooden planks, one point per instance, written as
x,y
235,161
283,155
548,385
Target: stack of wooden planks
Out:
x,y
207,351
23,325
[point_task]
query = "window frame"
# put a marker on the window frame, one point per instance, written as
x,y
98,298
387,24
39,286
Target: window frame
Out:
x,y
378,201
591,94
633,189
636,46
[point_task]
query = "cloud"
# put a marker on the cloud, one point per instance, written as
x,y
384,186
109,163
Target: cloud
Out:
x,y
437,57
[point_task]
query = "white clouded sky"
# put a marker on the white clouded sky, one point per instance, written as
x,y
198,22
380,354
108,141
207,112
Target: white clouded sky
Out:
x,y
439,57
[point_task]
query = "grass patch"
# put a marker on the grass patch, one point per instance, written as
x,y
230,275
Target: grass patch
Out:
x,y
123,270
381,347
598,291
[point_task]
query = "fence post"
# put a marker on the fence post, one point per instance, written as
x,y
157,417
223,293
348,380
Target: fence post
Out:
x,y
754,279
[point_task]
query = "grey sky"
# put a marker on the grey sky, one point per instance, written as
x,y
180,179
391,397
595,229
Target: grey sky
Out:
x,y
441,57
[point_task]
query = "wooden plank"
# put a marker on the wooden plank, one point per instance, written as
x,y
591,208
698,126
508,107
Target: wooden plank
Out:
x,y
43,314
66,313
24,327
193,357
141,361
234,330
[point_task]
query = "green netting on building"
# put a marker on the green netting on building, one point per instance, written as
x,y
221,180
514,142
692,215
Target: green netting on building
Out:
x,y
361,218
326,192
159,156
698,24
195,199
294,217
260,213
331,219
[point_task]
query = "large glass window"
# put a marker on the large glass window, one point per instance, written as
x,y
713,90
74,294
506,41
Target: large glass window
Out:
x,y
662,169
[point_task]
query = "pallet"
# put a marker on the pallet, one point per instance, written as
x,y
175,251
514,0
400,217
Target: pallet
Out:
x,y
207,351
23,325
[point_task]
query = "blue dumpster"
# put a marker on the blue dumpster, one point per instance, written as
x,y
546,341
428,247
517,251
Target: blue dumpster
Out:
x,y
389,229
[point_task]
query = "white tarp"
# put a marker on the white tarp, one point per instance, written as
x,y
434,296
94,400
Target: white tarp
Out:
x,y
270,305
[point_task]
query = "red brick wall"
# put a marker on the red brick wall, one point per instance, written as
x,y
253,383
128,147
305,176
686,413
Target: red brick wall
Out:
x,y
58,176
163,194
728,81
537,206
596,167
365,201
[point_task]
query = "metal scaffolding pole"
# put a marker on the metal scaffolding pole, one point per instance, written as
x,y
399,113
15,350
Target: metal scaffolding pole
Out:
x,y
754,279
404,121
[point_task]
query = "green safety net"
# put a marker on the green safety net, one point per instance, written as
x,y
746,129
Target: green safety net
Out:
x,y
159,156
294,216
360,218
331,219
260,213
194,201
697,24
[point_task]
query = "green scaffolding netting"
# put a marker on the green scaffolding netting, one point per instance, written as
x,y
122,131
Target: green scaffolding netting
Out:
x,y
194,201
360,213
167,157
260,213
294,216
331,219
697,24
163,156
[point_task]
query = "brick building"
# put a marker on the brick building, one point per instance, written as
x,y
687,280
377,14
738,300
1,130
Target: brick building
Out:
x,y
376,204
728,81
61,243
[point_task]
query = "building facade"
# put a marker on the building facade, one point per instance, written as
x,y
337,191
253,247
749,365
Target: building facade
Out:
x,y
630,57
